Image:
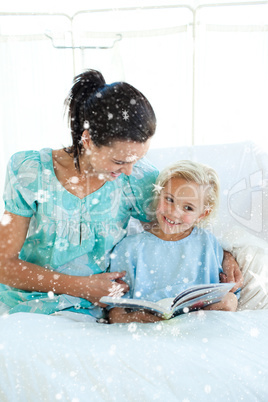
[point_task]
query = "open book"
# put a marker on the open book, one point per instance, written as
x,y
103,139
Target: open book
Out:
x,y
193,298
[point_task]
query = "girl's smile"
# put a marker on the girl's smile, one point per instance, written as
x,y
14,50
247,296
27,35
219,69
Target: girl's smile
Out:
x,y
170,222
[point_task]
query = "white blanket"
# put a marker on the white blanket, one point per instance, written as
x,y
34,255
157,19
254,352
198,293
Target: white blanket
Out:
x,y
201,356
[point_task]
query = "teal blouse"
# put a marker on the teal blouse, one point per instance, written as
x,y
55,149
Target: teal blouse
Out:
x,y
68,234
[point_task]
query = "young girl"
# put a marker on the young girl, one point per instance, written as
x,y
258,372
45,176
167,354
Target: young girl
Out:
x,y
177,252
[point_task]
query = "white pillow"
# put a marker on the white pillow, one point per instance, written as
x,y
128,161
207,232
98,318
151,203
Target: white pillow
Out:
x,y
251,254
254,265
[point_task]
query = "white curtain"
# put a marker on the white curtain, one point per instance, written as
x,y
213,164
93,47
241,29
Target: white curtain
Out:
x,y
231,93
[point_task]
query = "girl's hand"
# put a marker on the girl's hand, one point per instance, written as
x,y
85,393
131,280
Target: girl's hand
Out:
x,y
95,286
228,303
121,315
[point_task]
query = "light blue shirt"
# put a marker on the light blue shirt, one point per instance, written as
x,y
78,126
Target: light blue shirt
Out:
x,y
157,269
68,234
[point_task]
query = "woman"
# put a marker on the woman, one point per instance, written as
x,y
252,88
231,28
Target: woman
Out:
x,y
66,209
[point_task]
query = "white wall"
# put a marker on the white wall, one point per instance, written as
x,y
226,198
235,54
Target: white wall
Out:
x,y
204,69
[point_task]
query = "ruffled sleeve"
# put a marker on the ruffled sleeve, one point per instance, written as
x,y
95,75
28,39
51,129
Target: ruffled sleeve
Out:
x,y
21,186
140,193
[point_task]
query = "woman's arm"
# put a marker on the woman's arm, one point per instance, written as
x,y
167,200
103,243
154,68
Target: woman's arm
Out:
x,y
121,315
231,271
31,277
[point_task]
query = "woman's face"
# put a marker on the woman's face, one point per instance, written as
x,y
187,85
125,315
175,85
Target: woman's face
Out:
x,y
180,207
108,162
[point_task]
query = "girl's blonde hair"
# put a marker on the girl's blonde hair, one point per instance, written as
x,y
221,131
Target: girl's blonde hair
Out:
x,y
191,172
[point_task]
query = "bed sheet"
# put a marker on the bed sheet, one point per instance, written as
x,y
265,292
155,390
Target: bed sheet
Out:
x,y
202,356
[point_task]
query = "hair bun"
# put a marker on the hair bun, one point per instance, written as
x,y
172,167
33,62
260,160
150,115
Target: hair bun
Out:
x,y
86,84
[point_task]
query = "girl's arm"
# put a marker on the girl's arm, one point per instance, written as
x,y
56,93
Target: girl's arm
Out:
x,y
232,271
31,277
121,315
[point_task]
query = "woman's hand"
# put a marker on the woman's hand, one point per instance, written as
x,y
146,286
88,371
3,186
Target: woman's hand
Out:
x,y
121,315
26,276
95,286
231,271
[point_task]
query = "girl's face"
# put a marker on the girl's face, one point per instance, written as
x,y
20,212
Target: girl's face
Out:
x,y
181,205
109,162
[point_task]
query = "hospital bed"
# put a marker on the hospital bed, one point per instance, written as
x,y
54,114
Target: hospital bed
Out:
x,y
201,356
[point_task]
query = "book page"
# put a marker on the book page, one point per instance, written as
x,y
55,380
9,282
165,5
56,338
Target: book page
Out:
x,y
200,290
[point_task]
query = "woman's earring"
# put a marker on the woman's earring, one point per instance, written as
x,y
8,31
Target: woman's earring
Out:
x,y
86,125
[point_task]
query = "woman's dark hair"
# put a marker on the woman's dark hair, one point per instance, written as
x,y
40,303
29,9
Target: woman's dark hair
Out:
x,y
115,112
